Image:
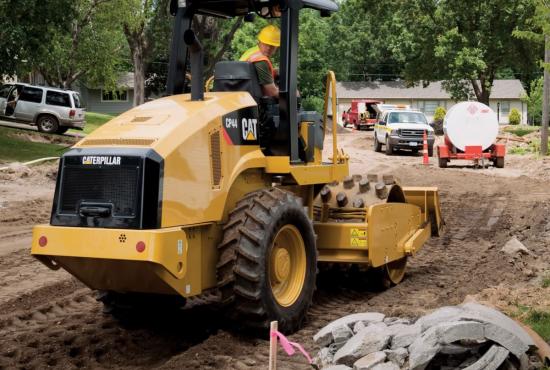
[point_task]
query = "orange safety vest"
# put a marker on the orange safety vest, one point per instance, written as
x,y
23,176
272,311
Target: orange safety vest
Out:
x,y
254,55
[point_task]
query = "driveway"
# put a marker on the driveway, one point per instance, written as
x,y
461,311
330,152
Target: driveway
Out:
x,y
23,126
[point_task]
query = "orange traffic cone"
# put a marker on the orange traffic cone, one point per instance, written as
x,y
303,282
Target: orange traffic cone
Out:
x,y
425,158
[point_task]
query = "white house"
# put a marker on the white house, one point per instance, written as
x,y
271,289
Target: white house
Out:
x,y
505,95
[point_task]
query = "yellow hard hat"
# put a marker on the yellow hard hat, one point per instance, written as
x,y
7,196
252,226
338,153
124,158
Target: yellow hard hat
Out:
x,y
270,35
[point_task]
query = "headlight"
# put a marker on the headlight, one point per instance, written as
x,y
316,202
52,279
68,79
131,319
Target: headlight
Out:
x,y
394,132
430,133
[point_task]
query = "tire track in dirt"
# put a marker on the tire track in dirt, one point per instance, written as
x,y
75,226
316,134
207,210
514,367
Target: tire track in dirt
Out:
x,y
61,325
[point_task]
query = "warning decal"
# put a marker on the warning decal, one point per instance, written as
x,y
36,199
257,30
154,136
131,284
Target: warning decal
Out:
x,y
358,237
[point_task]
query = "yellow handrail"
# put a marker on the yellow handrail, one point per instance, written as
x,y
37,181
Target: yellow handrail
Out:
x,y
331,85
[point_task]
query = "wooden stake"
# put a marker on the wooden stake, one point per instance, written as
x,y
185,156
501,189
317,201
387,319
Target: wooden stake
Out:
x,y
273,346
545,99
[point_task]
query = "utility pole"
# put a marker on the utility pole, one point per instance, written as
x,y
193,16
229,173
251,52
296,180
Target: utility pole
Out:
x,y
545,98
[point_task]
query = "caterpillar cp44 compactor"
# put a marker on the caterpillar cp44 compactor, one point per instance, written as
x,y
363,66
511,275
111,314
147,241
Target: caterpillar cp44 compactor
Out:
x,y
226,192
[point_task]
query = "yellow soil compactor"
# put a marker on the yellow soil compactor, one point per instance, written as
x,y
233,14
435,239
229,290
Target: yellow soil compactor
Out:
x,y
226,192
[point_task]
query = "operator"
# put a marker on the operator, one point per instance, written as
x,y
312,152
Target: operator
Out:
x,y
269,40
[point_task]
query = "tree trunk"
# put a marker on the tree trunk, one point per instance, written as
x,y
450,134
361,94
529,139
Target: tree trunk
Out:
x,y
545,99
138,60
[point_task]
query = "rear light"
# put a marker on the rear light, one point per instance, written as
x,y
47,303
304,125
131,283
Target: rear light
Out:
x,y
72,113
42,241
140,247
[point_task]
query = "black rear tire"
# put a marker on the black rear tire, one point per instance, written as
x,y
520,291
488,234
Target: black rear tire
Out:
x,y
244,269
443,162
47,124
499,162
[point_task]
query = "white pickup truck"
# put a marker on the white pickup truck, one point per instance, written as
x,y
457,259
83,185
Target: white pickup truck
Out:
x,y
401,128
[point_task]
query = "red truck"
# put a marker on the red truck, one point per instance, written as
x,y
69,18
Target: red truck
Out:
x,y
361,114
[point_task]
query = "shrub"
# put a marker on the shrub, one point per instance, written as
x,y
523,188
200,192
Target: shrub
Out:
x,y
514,118
439,114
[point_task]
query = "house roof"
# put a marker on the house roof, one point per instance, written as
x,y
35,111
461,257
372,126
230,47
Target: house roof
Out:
x,y
124,81
502,89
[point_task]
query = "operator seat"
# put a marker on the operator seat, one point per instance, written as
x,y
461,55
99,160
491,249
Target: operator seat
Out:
x,y
237,76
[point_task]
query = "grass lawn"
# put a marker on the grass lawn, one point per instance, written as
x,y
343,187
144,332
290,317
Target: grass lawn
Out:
x,y
13,148
93,121
521,130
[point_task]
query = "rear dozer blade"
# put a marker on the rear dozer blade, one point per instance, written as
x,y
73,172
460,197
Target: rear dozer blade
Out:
x,y
427,198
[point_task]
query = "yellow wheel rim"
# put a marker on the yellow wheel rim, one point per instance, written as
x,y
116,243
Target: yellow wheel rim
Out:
x,y
396,270
287,265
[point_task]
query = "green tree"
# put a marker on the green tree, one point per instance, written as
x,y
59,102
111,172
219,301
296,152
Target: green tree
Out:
x,y
534,101
92,50
27,29
362,44
465,43
439,114
515,117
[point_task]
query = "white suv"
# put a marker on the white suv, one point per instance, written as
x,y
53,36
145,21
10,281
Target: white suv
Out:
x,y
402,128
52,110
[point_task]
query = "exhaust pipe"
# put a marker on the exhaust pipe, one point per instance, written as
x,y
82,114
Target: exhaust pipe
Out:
x,y
197,68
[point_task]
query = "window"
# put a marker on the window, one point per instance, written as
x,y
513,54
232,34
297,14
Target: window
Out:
x,y
77,101
58,98
431,105
31,94
114,96
407,117
5,90
504,108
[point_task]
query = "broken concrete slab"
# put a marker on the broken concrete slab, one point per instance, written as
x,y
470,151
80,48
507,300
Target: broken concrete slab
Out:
x,y
369,361
455,349
376,327
506,339
397,356
386,366
424,349
514,247
337,367
341,334
403,335
396,320
324,336
450,332
491,360
358,327
324,357
360,345
443,314
488,314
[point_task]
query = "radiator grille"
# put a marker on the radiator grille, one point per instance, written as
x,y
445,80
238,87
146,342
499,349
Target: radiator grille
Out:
x,y
99,142
117,185
412,133
215,158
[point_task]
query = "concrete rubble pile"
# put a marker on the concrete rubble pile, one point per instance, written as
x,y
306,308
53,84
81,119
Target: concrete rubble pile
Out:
x,y
469,336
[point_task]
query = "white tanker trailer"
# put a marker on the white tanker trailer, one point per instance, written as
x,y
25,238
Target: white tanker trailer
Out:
x,y
471,129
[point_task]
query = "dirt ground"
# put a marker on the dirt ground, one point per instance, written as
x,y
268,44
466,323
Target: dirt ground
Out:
x,y
47,319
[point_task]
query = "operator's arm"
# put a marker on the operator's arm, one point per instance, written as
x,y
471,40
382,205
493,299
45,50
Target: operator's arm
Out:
x,y
265,78
270,90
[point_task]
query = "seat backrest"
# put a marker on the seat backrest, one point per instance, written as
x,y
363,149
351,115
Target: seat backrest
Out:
x,y
237,76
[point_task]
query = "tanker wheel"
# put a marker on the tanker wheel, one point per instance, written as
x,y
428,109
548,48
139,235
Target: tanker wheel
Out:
x,y
499,162
443,162
268,261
